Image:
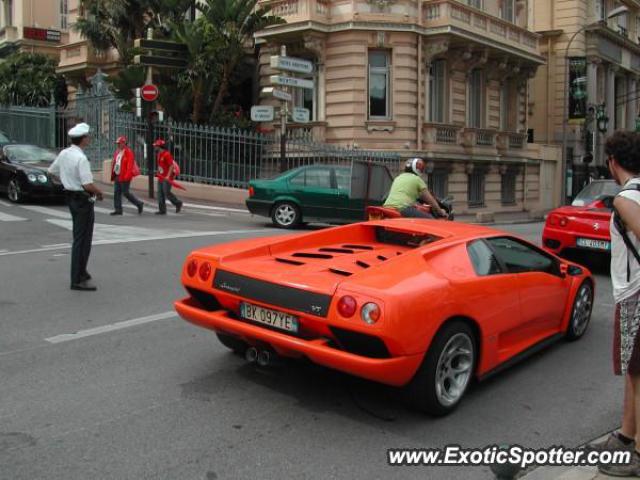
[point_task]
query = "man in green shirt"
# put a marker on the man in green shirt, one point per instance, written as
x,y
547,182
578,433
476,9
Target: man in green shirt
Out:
x,y
409,188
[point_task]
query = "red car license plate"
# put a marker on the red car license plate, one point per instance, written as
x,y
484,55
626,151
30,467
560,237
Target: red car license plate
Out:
x,y
595,244
273,318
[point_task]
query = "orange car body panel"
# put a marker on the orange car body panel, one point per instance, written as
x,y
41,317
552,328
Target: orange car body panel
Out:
x,y
418,289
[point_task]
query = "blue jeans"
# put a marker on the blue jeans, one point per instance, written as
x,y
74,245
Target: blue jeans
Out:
x,y
120,189
413,212
164,194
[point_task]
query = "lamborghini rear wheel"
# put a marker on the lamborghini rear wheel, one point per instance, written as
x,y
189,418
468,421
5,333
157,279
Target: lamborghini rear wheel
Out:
x,y
446,371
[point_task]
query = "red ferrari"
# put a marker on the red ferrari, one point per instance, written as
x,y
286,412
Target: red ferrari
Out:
x,y
425,305
583,225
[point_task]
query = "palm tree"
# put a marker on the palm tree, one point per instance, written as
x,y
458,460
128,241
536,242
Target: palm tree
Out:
x,y
230,30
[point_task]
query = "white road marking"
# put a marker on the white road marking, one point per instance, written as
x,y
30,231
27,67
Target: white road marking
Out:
x,y
102,210
221,209
67,337
5,204
121,240
5,217
52,212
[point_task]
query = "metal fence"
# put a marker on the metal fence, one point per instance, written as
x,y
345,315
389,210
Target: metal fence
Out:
x,y
206,154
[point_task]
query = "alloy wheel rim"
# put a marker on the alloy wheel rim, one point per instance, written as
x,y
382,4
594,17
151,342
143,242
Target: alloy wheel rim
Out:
x,y
582,310
454,369
14,191
285,214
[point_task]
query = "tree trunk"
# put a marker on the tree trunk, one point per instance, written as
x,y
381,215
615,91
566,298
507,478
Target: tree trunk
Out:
x,y
222,92
196,114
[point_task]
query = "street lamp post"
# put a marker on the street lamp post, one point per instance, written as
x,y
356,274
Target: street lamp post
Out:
x,y
565,113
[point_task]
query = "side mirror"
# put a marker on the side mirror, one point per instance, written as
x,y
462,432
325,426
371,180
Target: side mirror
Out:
x,y
564,270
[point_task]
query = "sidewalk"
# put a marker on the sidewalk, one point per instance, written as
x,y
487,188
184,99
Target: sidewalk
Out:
x,y
567,473
502,218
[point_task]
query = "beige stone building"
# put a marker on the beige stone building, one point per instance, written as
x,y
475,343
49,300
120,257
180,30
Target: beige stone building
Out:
x,y
604,65
33,26
440,79
78,59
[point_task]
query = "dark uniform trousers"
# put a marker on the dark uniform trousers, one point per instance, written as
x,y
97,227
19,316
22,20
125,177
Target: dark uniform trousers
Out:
x,y
83,217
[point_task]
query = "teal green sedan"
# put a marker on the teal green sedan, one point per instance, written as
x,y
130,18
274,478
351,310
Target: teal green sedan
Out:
x,y
315,193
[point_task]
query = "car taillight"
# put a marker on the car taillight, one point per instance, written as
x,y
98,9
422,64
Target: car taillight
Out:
x,y
252,192
347,306
563,221
192,268
553,220
370,313
205,271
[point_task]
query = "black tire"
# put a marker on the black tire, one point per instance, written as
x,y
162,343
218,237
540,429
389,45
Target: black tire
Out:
x,y
286,215
580,311
423,393
14,192
232,343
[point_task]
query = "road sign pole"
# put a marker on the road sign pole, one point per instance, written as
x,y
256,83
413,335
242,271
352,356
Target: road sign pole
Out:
x,y
283,125
149,139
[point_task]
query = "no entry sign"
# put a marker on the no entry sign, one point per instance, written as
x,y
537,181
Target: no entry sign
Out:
x,y
149,92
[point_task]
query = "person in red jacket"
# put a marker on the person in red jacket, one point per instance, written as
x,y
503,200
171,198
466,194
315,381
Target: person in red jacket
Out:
x,y
166,175
123,169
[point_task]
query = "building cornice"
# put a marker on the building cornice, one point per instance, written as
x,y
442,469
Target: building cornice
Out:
x,y
290,28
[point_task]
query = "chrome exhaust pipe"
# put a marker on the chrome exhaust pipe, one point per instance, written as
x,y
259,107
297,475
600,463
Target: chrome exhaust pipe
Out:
x,y
264,358
251,355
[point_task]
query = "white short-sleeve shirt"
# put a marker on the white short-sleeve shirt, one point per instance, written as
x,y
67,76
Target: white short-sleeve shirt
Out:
x,y
73,168
621,258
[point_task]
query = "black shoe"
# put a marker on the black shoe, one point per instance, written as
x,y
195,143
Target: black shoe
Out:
x,y
179,207
85,276
160,213
115,213
84,286
140,208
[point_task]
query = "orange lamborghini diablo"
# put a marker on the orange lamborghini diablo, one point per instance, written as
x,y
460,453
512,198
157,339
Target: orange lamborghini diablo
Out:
x,y
426,305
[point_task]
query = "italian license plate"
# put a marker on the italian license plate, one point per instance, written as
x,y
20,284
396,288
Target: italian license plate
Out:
x,y
595,244
273,318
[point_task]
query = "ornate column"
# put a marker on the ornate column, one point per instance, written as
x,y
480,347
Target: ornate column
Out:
x,y
610,97
592,80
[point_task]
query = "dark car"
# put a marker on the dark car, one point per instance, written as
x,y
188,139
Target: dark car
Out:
x,y
23,173
319,193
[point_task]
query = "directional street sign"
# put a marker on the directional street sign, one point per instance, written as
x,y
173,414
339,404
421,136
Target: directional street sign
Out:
x,y
149,92
291,64
153,61
163,45
300,115
279,94
291,82
262,113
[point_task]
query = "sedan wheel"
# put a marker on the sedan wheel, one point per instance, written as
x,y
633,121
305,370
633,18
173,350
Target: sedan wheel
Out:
x,y
286,215
581,312
446,371
13,191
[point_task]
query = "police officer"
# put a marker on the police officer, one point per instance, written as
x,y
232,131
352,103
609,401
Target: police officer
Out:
x,y
74,171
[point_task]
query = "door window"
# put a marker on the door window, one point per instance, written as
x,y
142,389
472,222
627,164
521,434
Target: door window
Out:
x,y
518,257
313,177
343,178
483,259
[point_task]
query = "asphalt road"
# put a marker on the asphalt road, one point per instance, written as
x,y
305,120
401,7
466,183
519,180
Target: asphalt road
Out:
x,y
161,399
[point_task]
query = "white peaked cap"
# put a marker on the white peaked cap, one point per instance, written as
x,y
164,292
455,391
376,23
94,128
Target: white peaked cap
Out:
x,y
80,130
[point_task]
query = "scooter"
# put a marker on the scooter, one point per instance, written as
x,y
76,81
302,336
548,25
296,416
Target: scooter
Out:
x,y
380,213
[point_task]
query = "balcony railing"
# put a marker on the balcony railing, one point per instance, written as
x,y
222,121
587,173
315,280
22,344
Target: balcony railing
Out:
x,y
442,13
441,133
478,137
511,140
299,10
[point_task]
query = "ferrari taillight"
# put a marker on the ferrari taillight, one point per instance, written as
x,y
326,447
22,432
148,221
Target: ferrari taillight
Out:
x,y
192,268
553,220
563,221
205,271
347,306
370,313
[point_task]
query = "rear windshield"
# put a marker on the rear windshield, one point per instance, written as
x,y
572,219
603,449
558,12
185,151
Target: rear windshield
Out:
x,y
595,191
403,238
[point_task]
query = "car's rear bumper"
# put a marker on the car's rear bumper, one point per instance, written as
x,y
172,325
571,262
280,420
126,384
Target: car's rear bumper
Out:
x,y
396,371
558,240
259,207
